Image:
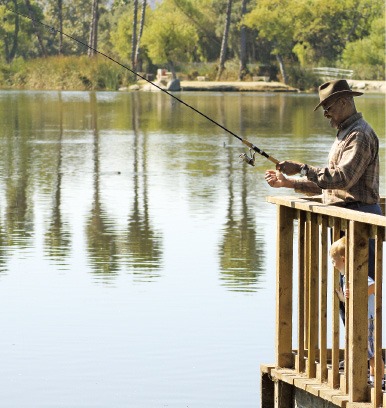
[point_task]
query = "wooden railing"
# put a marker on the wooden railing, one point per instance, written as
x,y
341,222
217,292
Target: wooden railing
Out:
x,y
333,73
305,298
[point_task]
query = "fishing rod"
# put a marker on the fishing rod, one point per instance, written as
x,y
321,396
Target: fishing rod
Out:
x,y
252,148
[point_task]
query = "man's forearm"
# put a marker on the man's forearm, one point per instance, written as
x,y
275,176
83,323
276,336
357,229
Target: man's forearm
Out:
x,y
305,187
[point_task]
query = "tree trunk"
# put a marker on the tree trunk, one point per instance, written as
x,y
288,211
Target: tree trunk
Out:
x,y
243,43
134,36
40,40
224,43
142,23
60,17
172,69
93,37
11,53
283,71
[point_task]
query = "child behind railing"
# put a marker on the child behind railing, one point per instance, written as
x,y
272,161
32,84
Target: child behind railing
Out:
x,y
338,254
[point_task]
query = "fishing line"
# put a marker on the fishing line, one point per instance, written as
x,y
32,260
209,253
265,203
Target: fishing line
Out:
x,y
250,160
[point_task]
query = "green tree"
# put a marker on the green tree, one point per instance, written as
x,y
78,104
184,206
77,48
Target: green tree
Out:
x,y
20,36
78,18
368,52
120,24
321,31
9,31
170,36
276,26
36,27
204,19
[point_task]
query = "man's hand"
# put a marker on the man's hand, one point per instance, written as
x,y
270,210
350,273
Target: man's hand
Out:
x,y
276,179
289,167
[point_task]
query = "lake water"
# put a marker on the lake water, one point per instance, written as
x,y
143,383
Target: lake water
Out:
x,y
137,254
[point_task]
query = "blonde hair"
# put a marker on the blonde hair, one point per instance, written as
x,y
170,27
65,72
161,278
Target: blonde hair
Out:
x,y
338,247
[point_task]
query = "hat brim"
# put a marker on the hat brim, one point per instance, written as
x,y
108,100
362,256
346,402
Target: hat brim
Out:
x,y
336,95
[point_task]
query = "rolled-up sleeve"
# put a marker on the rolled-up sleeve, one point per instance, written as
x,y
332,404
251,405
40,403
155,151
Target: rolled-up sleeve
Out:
x,y
306,187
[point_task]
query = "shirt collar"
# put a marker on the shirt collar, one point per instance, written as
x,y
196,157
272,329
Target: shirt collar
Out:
x,y
345,126
349,121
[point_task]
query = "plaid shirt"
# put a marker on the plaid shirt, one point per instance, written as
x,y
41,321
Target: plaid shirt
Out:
x,y
353,166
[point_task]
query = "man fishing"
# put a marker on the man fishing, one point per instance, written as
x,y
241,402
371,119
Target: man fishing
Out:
x,y
351,178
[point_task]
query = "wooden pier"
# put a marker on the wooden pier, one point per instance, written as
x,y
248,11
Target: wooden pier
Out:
x,y
312,368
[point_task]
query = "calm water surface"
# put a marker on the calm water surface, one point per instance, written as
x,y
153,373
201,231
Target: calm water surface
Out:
x,y
137,254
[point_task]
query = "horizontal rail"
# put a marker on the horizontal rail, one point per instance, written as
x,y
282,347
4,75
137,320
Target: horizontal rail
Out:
x,y
333,72
313,206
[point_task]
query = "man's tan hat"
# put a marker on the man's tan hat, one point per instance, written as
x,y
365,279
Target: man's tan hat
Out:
x,y
330,90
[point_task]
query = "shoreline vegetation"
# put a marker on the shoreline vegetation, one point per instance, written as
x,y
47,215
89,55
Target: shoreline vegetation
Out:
x,y
82,74
261,86
268,45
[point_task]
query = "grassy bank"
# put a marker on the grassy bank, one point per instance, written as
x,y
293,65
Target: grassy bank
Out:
x,y
60,73
100,73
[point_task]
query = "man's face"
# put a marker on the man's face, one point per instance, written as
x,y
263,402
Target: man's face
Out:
x,y
333,112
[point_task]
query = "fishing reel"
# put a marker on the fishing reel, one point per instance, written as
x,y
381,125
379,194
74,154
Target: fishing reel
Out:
x,y
248,159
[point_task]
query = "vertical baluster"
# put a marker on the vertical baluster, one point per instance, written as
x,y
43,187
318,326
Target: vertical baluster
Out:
x,y
358,321
313,291
334,380
322,222
379,233
300,362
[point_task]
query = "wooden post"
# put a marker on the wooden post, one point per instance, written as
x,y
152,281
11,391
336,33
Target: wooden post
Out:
x,y
284,276
356,282
283,395
312,242
267,391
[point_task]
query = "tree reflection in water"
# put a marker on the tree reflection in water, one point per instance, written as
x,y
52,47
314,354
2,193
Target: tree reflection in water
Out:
x,y
241,252
101,240
143,243
139,247
57,239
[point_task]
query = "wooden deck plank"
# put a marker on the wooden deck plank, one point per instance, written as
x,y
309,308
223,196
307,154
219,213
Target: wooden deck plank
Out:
x,y
302,383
